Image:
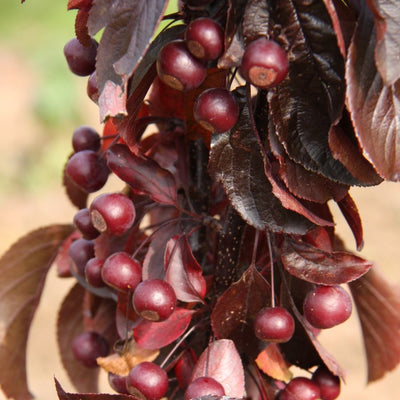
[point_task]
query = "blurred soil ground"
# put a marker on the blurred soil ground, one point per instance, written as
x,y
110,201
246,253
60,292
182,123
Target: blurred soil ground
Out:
x,y
23,210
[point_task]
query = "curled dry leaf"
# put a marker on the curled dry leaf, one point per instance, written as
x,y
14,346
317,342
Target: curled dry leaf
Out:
x,y
271,362
131,355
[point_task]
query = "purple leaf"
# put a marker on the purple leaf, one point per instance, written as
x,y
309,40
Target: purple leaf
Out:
x,y
155,335
143,174
221,361
321,267
233,314
236,161
350,212
373,105
62,395
310,100
153,264
129,27
378,307
387,15
23,270
183,272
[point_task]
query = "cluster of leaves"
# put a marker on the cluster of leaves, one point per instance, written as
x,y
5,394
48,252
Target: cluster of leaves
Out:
x,y
227,208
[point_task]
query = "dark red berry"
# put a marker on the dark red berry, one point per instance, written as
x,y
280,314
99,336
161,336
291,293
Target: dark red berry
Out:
x,y
274,324
327,306
121,272
118,383
329,384
300,389
92,88
84,224
264,63
79,253
147,381
154,299
93,272
113,213
216,110
178,68
205,39
85,138
203,386
81,60
88,170
88,346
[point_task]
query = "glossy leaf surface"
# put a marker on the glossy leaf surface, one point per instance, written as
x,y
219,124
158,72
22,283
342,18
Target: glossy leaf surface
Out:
x,y
321,267
155,335
143,174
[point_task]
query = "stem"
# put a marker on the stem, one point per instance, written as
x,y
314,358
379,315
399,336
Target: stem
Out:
x,y
255,245
271,260
178,343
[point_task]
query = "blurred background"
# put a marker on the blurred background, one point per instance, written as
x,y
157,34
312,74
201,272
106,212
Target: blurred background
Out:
x,y
41,103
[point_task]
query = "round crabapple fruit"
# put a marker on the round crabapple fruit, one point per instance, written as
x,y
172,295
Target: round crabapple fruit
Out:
x,y
147,381
88,346
81,60
113,213
274,324
216,110
204,386
205,38
327,306
178,68
154,299
264,63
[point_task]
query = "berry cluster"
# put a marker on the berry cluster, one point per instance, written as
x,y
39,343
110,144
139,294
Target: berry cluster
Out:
x,y
164,248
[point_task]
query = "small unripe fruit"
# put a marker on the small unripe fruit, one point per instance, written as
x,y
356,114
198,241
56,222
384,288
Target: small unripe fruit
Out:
x,y
79,253
216,110
93,272
274,324
84,224
178,68
327,306
264,63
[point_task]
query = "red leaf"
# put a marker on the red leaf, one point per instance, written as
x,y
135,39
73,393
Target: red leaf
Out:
x,y
233,314
386,15
153,264
349,210
183,272
23,270
155,335
321,267
129,27
81,29
78,4
62,395
70,325
378,307
143,174
372,104
221,361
